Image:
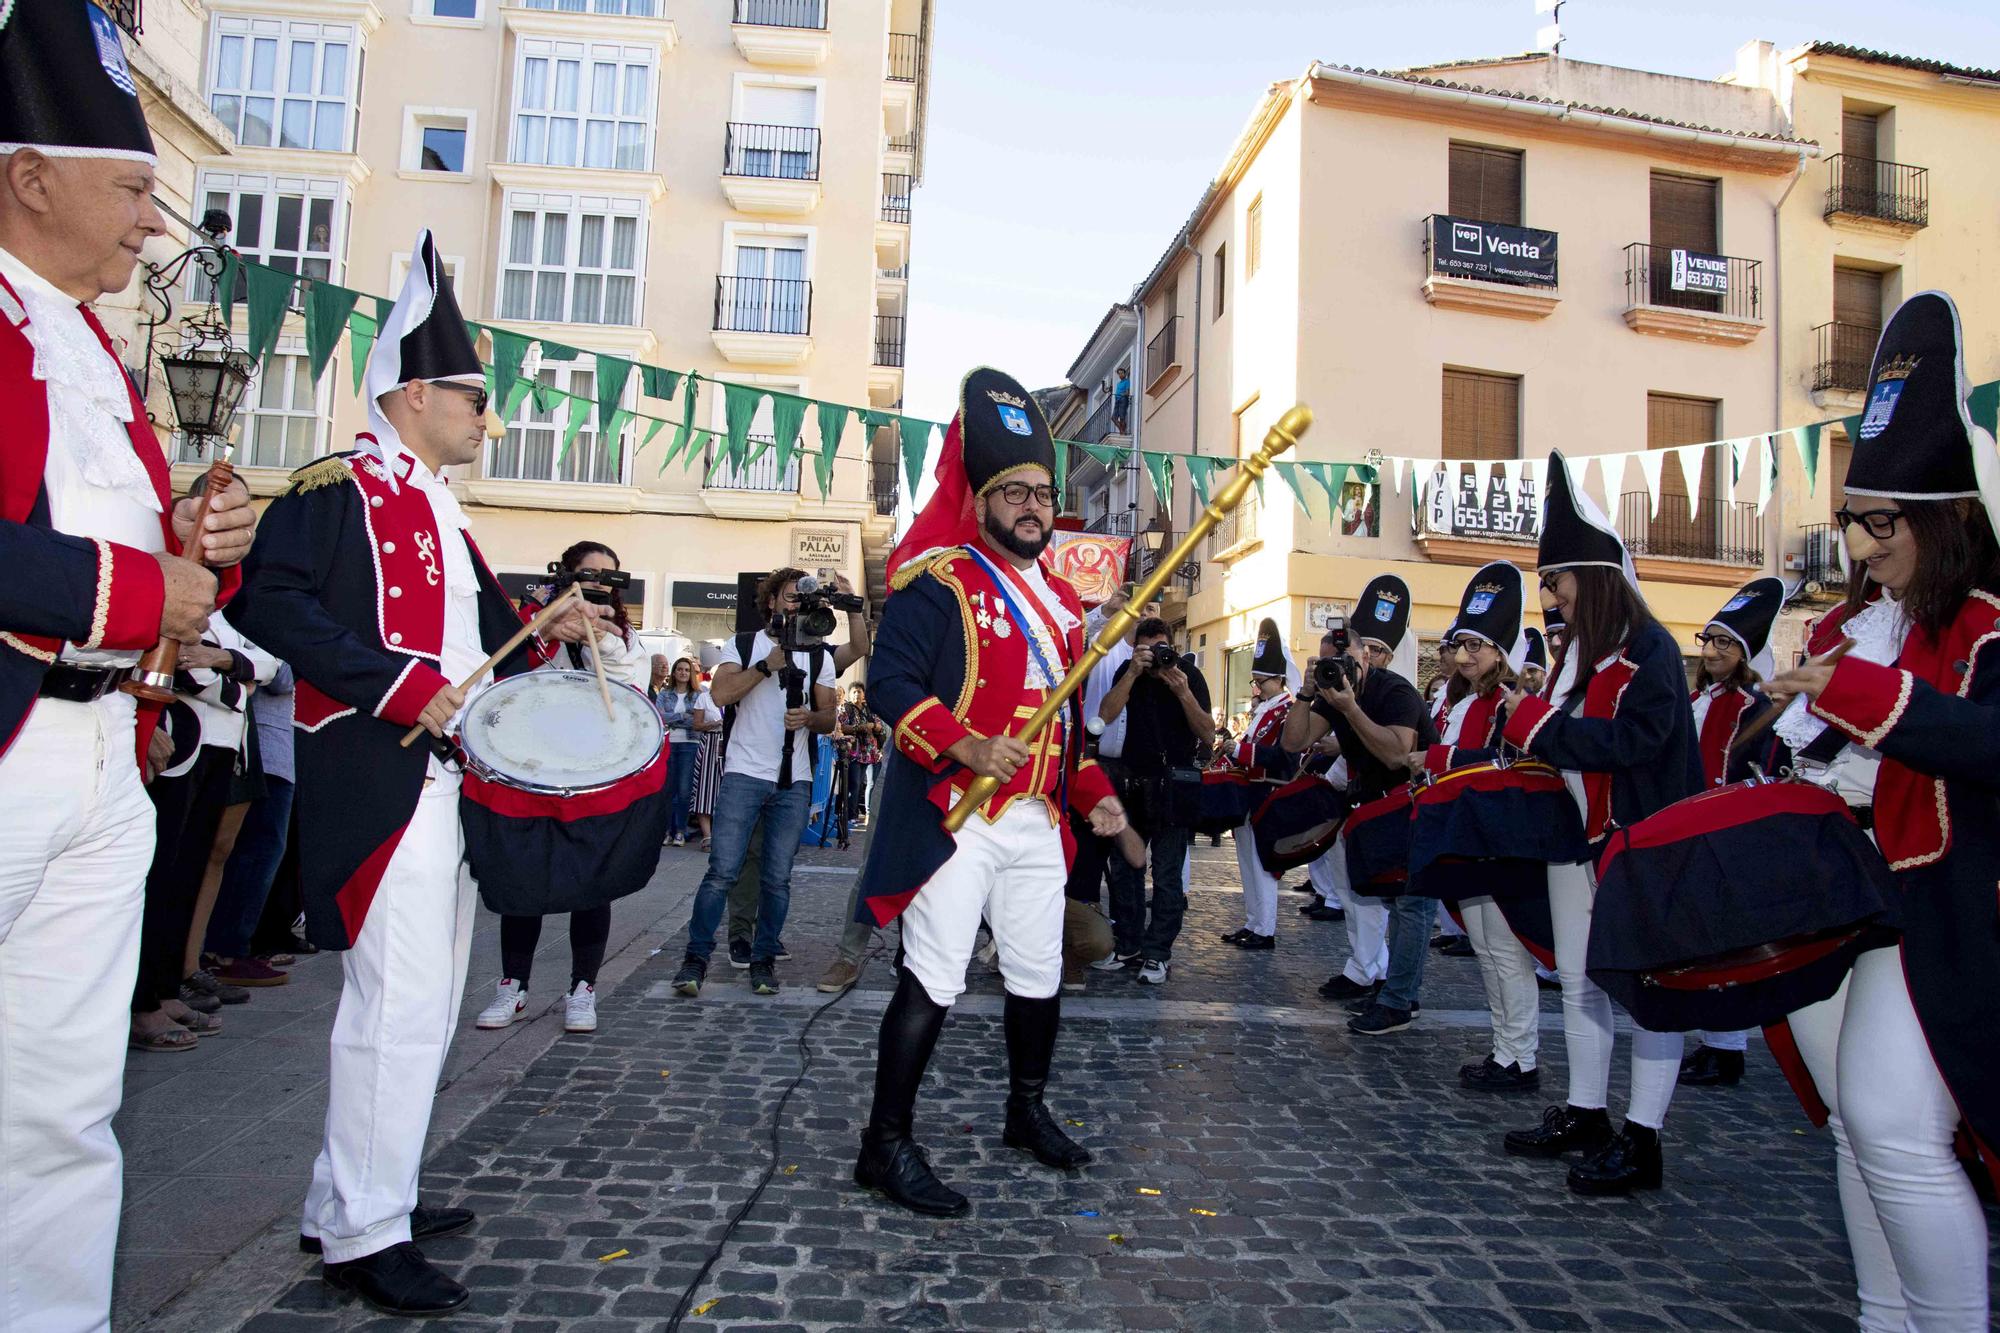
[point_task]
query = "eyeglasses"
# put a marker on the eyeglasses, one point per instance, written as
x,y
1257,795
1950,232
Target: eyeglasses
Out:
x,y
477,394
1715,640
1549,578
1881,523
1017,493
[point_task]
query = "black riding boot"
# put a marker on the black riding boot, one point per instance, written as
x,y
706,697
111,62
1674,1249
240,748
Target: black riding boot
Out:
x,y
1031,1045
890,1160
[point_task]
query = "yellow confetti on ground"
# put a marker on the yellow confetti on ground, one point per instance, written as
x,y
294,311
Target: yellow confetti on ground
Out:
x,y
791,1170
665,1072
615,1254
1202,1212
708,1305
1077,1123
1144,1190
1116,1238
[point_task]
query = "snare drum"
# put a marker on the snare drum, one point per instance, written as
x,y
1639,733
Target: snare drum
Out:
x,y
1227,798
564,808
1298,823
1492,830
1738,906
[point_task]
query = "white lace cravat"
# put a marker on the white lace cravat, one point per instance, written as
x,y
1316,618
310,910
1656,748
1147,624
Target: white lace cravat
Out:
x,y
89,404
1878,631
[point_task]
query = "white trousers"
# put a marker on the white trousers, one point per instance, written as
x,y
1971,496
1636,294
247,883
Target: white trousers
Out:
x,y
76,837
1723,1041
1507,970
399,994
1915,1225
1260,887
1366,919
1011,873
1587,1032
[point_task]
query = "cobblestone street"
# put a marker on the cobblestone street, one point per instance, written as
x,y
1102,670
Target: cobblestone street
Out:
x,y
1257,1167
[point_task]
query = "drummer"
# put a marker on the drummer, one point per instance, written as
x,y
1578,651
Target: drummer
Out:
x,y
1275,678
1626,753
1907,1051
1735,660
366,579
1488,644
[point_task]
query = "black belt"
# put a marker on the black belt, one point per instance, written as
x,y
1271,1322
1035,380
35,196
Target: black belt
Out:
x,y
1864,815
81,685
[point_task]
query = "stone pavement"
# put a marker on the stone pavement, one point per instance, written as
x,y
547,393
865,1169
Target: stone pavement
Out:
x,y
1258,1168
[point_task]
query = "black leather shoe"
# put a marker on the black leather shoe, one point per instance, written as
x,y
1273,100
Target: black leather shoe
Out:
x,y
1031,1128
1326,912
1563,1129
1342,988
1317,901
1458,946
1492,1076
1253,941
425,1223
1237,937
901,1171
1709,1068
399,1281
1629,1162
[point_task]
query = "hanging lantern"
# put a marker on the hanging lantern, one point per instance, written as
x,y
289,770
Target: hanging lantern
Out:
x,y
207,385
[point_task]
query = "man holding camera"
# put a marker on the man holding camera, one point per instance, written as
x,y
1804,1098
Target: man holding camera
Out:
x,y
1165,706
1356,695
777,688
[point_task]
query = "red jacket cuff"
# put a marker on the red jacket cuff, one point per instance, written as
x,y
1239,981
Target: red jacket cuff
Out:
x,y
927,731
131,591
1526,721
415,687
1437,760
1091,786
1865,699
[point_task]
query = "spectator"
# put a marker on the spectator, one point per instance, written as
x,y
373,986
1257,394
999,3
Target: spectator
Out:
x,y
1164,703
1121,402
866,735
686,709
252,867
707,768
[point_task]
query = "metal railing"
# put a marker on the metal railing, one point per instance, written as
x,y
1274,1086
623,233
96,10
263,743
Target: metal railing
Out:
x,y
1239,525
895,197
884,487
1162,353
1105,419
889,340
1868,187
780,152
628,8
906,57
1842,354
1649,281
759,475
903,143
901,271
1728,532
763,305
782,13
125,13
1825,560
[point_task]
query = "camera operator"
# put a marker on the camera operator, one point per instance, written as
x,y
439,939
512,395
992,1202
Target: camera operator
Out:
x,y
595,566
776,688
1370,710
1165,707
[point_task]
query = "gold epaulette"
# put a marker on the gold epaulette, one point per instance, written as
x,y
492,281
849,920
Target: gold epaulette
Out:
x,y
320,472
917,565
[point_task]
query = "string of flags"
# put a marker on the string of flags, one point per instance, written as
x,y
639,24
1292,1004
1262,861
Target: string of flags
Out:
x,y
1319,488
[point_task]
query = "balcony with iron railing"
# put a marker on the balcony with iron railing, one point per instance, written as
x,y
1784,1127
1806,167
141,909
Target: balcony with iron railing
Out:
x,y
885,488
906,57
1707,298
780,152
1163,352
1873,190
763,305
1728,532
1825,567
125,13
904,143
1841,356
889,340
1105,420
895,197
781,13
627,8
759,474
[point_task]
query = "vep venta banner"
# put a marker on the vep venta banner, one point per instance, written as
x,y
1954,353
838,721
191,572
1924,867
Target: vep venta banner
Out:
x,y
1696,272
1493,251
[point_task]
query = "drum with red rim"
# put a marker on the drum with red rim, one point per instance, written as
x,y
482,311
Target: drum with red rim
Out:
x,y
1492,830
1228,795
1297,823
1377,837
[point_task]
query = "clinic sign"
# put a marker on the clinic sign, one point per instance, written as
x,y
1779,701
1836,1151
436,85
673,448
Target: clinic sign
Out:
x,y
1492,251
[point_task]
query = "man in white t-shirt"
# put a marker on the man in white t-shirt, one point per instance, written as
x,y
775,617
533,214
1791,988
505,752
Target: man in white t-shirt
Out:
x,y
767,774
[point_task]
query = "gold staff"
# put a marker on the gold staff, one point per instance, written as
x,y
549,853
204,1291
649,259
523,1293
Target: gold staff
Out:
x,y
1276,440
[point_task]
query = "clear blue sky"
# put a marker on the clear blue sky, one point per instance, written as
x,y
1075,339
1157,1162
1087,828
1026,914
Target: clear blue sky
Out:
x,y
1069,140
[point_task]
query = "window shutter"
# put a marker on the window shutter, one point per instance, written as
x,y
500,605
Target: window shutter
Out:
x,y
1683,213
1482,415
1860,133
1857,297
1484,184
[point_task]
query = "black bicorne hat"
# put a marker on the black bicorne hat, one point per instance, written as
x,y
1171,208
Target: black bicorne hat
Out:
x,y
1574,531
69,91
1917,439
1270,659
426,337
1748,617
1002,431
1537,654
1492,608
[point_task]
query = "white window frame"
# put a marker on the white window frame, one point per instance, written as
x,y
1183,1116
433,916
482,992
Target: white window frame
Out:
x,y
270,186
573,206
741,83
738,234
417,119
718,416
285,32
644,9
586,55
424,13
318,413
399,269
586,448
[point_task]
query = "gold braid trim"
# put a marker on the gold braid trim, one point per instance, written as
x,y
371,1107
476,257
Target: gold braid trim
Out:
x,y
41,655
100,610
321,472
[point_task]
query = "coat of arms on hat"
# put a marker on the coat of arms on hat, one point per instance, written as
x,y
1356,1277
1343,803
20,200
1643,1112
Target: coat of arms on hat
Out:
x,y
1385,606
1016,420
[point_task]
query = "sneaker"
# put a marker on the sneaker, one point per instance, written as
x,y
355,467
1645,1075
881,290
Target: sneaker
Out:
x,y
204,982
1492,1076
1360,1007
840,974
1153,972
783,955
249,972
510,1002
1116,962
694,971
764,978
580,1009
739,954
1075,976
200,1003
1379,1021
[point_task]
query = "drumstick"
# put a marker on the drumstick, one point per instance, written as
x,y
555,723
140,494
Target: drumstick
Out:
x,y
1770,717
597,667
534,626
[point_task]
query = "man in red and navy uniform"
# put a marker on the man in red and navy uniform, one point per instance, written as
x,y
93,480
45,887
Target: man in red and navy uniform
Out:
x,y
371,587
1261,754
91,543
977,631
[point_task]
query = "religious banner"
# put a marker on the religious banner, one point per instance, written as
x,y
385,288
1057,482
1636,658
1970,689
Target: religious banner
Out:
x,y
1093,561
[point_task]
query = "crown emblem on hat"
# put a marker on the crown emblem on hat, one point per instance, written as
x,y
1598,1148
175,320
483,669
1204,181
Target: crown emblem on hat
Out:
x,y
1002,396
1897,368
1392,598
1489,587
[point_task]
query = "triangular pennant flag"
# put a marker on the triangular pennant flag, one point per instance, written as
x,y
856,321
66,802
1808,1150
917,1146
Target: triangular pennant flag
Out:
x,y
788,413
327,309
1106,454
1332,478
916,442
614,438
548,397
269,291
1739,454
1651,463
225,285
654,425
360,337
739,410
1396,466
832,425
516,391
510,350
1767,471
1159,468
1693,459
1289,474
613,372
657,383
698,447
1201,474
579,412
1061,456
555,351
683,431
1806,440
1984,404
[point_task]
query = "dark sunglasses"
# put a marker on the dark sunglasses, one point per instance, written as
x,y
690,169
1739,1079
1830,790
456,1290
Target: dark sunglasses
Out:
x,y
1880,523
476,393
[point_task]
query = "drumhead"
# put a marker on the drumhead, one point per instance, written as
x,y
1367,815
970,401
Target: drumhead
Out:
x,y
545,731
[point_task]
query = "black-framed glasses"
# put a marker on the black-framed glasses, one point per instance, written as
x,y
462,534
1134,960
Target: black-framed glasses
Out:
x,y
1017,493
1707,640
1548,578
1880,523
476,392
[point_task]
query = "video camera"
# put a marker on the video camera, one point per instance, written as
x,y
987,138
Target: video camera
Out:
x,y
1339,670
814,620
597,583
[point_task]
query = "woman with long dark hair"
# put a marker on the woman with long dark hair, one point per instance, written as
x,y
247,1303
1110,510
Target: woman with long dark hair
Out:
x,y
1907,1054
685,707
1615,720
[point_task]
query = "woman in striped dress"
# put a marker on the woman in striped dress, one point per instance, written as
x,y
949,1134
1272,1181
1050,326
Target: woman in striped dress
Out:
x,y
708,768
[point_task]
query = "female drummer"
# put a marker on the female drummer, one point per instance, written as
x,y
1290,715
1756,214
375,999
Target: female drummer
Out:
x,y
1616,722
1735,660
627,660
1909,1052
1489,616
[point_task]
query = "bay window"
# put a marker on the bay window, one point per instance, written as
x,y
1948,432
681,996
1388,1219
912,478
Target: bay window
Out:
x,y
534,436
282,84
583,105
571,260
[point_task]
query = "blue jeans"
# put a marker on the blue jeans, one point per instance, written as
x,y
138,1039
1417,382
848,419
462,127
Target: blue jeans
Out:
x,y
739,802
682,757
253,863
1410,921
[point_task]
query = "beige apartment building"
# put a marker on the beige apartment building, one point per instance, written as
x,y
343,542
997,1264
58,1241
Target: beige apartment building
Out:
x,y
720,187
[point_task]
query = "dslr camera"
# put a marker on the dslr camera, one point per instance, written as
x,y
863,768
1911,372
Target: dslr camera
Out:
x,y
1338,671
813,623
597,583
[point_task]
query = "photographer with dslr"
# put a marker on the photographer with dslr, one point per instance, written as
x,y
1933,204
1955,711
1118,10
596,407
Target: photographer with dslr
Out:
x,y
775,687
1364,699
1165,706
